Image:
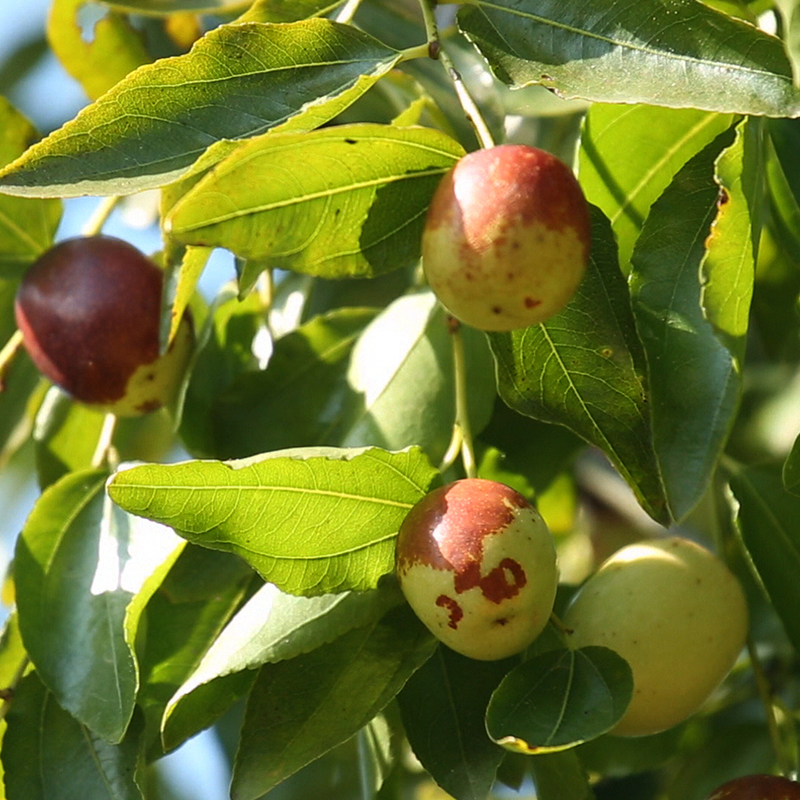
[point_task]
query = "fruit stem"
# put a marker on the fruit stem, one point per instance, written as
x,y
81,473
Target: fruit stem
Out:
x,y
348,11
436,51
765,693
103,449
8,354
462,424
100,215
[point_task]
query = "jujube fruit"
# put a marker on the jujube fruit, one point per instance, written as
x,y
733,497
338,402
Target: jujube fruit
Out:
x,y
89,310
477,564
676,613
507,237
757,787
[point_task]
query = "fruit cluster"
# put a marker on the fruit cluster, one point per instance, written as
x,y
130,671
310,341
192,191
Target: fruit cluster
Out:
x,y
478,565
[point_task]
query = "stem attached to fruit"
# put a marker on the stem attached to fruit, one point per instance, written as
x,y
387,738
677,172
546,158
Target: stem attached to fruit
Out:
x,y
462,425
100,216
103,448
7,356
435,50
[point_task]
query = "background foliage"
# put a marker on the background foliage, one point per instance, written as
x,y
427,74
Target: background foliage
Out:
x,y
231,564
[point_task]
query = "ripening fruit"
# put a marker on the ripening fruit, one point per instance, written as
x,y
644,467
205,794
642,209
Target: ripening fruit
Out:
x,y
478,566
757,787
676,613
507,236
89,311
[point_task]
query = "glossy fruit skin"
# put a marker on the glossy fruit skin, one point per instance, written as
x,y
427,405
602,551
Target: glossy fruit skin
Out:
x,y
507,238
477,564
757,787
89,310
679,617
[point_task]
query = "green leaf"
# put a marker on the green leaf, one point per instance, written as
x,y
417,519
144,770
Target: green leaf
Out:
x,y
99,60
694,379
443,707
292,402
790,13
703,59
559,699
310,521
630,154
339,202
287,10
401,380
766,518
585,369
27,226
238,81
83,571
47,754
272,626
728,269
197,598
560,776
300,709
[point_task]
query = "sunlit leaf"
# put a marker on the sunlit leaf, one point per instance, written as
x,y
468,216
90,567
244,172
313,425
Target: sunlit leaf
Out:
x,y
584,368
237,81
287,10
443,706
559,699
342,201
27,226
630,153
310,521
608,51
300,709
48,754
84,570
728,269
99,58
694,380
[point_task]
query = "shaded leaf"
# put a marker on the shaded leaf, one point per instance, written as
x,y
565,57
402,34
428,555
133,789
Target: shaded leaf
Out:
x,y
302,708
630,153
300,395
443,707
165,7
101,59
201,592
310,521
237,81
560,776
585,368
694,380
703,59
270,627
288,10
47,754
83,572
559,699
401,380
339,202
766,518
27,226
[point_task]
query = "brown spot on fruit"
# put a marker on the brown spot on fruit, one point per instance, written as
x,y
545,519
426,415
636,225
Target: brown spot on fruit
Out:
x,y
453,607
477,564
